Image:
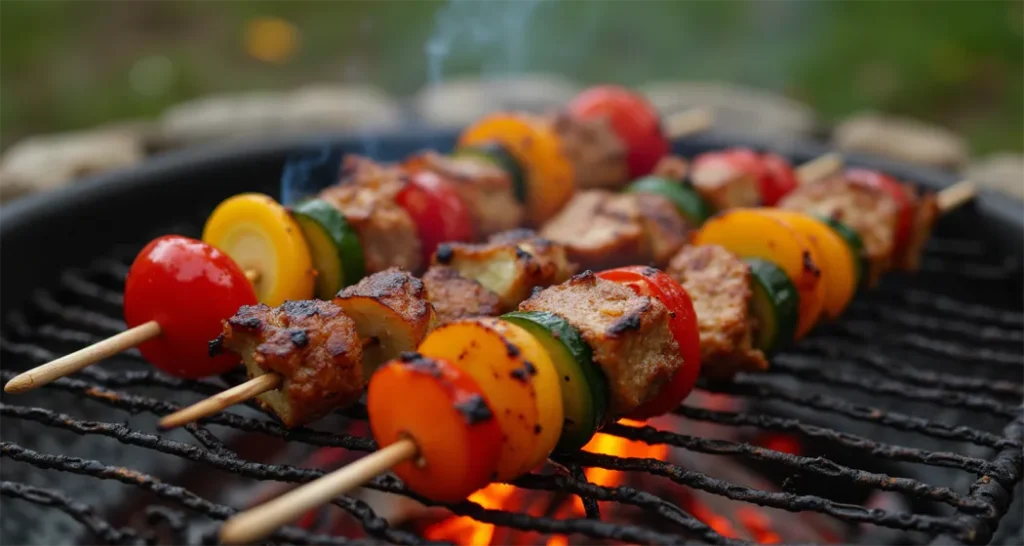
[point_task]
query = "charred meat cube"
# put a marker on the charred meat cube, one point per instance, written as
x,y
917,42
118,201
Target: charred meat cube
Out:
x,y
311,344
601,229
510,264
455,297
629,335
723,184
868,210
719,285
598,154
391,313
483,186
366,197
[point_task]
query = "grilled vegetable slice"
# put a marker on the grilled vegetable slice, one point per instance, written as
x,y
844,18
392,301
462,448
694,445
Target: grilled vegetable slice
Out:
x,y
391,313
544,375
853,243
750,233
583,385
501,370
690,204
775,303
334,245
550,176
498,155
262,238
651,282
446,413
439,213
839,268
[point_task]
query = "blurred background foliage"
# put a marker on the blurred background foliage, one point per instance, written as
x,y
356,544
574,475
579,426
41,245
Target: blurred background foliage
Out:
x,y
73,64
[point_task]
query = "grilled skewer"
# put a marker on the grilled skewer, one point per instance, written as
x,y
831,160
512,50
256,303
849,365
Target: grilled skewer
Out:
x,y
305,358
454,386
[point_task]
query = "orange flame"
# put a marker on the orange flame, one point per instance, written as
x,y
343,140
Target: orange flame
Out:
x,y
469,532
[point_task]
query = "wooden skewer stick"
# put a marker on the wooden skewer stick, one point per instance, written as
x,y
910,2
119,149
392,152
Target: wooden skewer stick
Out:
x,y
956,195
688,122
819,168
258,522
69,364
235,395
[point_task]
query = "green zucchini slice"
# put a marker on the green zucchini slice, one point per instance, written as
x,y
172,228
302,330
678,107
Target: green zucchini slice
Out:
x,y
853,241
337,252
690,204
498,155
775,304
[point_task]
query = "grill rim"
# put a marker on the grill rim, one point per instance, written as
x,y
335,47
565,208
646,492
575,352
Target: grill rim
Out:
x,y
168,174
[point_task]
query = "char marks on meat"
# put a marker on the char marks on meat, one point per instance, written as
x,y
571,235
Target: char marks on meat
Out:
x,y
321,367
868,210
484,187
629,335
366,197
391,309
510,264
601,229
455,297
719,286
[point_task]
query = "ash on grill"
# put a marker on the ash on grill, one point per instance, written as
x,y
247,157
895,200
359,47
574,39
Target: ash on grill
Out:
x,y
925,389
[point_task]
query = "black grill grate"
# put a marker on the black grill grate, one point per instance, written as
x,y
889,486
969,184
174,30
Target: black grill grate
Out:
x,y
918,391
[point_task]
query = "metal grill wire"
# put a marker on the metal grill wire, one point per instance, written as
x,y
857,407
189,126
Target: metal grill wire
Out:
x,y
951,368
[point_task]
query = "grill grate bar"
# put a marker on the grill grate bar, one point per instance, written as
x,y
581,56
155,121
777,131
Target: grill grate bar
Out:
x,y
941,304
290,473
817,465
812,370
784,501
758,387
979,355
878,449
841,349
890,314
81,512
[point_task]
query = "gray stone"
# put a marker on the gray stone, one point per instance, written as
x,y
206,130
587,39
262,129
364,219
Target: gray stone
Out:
x,y
47,162
461,101
737,110
902,139
263,114
1002,171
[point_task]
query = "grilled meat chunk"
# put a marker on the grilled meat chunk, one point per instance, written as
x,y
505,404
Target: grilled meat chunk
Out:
x,y
311,344
391,313
722,184
510,264
719,285
629,335
455,297
484,187
926,213
601,229
366,197
598,154
868,210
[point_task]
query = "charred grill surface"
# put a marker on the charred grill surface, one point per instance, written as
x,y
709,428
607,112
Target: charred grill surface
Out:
x,y
916,391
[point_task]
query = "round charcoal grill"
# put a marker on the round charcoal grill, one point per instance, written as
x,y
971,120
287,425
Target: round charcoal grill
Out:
x,y
914,396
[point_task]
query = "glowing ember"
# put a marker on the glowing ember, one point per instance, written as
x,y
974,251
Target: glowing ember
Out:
x,y
743,522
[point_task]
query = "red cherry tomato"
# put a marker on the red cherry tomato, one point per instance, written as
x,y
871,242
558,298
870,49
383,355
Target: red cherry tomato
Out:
x,y
437,210
888,184
779,179
648,281
633,119
774,175
188,287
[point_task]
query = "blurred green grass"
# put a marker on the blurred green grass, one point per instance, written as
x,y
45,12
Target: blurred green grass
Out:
x,y
68,64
